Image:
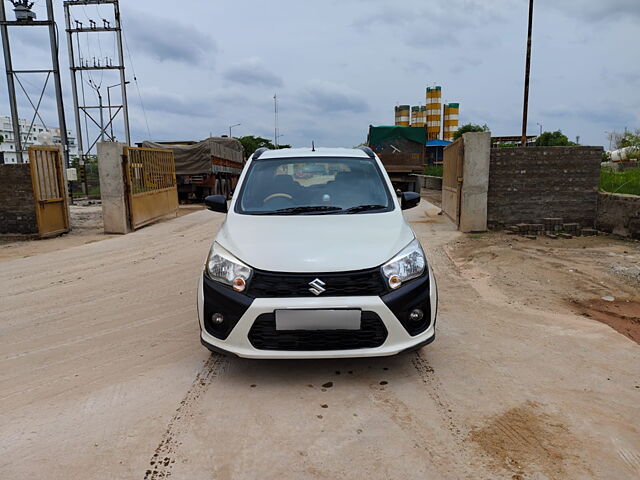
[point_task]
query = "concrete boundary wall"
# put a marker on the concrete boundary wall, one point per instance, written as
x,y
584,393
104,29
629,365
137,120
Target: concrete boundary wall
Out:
x,y
619,214
17,203
429,182
115,215
473,199
531,183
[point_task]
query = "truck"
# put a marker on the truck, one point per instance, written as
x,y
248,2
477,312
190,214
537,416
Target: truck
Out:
x,y
208,167
402,152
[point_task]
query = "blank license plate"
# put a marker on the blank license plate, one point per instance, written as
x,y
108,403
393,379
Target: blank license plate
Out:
x,y
318,319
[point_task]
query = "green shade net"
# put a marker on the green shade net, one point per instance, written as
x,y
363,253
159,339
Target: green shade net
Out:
x,y
379,134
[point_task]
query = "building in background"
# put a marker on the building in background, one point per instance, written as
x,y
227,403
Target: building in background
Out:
x,y
450,120
38,135
402,116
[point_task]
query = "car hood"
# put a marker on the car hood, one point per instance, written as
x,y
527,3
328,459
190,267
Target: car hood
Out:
x,y
315,243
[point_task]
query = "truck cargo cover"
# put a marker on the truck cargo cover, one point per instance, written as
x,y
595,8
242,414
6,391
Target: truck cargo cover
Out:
x,y
195,159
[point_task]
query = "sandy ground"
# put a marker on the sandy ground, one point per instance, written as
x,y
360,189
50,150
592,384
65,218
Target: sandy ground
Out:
x,y
86,227
597,277
102,374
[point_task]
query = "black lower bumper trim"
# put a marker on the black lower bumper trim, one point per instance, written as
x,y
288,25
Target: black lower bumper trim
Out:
x,y
419,345
218,350
415,294
221,299
264,336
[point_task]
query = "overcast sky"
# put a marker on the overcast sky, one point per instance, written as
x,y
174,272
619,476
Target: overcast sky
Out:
x,y
339,65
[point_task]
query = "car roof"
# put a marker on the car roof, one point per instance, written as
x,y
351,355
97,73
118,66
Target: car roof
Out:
x,y
317,152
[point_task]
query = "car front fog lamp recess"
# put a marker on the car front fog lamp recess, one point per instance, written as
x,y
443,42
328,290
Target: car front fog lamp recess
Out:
x,y
406,265
416,315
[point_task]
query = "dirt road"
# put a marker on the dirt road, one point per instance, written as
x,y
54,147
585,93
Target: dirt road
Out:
x,y
102,376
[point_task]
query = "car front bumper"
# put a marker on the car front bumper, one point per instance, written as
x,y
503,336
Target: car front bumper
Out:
x,y
397,340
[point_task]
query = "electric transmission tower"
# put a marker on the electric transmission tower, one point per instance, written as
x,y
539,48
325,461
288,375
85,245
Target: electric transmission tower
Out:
x,y
26,17
81,62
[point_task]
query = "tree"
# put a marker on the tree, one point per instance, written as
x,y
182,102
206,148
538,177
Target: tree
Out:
x,y
553,139
629,139
252,143
470,127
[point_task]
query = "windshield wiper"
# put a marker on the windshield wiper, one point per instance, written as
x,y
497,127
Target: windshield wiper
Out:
x,y
362,208
305,209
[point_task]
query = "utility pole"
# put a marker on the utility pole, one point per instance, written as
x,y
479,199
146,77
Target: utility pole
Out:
x,y
527,68
25,17
97,89
80,62
275,129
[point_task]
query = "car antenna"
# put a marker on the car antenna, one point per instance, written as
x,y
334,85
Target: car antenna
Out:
x,y
313,146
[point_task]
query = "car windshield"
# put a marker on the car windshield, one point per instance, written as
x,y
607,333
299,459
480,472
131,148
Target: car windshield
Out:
x,y
313,186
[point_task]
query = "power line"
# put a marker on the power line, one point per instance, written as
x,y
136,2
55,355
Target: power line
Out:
x,y
135,79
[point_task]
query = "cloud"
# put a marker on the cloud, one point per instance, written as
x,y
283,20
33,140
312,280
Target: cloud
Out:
x,y
386,16
181,103
252,71
332,97
167,39
598,10
602,116
441,24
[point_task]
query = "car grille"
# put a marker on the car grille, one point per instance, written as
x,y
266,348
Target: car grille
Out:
x,y
341,284
264,336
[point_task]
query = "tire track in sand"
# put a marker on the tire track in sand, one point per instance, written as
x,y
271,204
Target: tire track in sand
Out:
x,y
459,454
162,461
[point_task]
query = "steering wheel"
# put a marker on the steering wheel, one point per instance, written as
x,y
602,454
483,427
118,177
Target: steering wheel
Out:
x,y
277,195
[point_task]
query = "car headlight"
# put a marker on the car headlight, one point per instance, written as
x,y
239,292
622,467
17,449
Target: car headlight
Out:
x,y
409,263
225,268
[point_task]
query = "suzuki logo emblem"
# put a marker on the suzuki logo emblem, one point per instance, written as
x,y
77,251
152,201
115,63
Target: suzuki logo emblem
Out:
x,y
316,286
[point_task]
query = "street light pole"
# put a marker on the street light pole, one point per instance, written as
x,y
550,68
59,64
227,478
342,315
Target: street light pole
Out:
x,y
525,106
540,125
231,126
109,102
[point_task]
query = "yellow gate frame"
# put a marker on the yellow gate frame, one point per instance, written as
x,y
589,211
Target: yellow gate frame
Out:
x,y
49,191
150,178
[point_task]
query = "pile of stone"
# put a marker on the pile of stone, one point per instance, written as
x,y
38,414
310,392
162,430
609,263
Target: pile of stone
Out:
x,y
551,227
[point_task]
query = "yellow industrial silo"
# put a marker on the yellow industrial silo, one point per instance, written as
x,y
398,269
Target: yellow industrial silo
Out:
x,y
417,116
402,115
450,120
434,106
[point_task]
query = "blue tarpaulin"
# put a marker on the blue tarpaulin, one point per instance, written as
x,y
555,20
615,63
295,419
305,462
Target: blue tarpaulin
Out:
x,y
437,143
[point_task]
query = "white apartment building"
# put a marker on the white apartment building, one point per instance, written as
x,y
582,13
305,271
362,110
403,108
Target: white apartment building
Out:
x,y
35,137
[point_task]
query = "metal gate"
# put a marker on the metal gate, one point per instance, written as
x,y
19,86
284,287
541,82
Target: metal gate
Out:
x,y
452,178
150,178
49,192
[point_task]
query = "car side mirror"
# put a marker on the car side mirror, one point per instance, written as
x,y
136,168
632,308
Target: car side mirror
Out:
x,y
216,203
409,200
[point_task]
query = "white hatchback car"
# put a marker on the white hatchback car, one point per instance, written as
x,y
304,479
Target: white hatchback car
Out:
x,y
316,260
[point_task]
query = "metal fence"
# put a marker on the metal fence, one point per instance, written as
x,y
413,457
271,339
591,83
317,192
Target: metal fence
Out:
x,y
150,177
49,191
150,170
452,178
